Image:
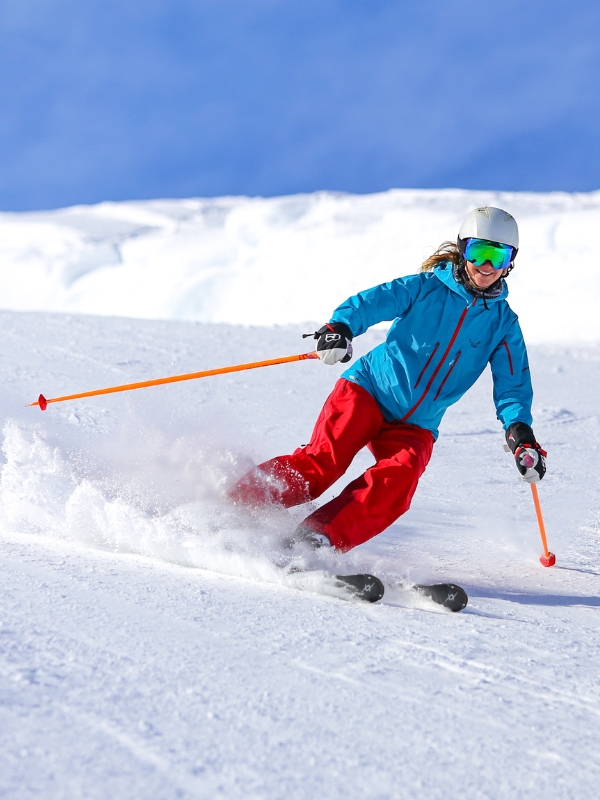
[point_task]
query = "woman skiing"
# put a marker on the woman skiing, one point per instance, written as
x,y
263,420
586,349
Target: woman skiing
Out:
x,y
450,320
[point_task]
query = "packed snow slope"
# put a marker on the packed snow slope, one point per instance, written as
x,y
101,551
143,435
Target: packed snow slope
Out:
x,y
282,260
151,646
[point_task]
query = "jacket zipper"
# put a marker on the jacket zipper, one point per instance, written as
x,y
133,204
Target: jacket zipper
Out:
x,y
439,366
447,375
429,360
510,364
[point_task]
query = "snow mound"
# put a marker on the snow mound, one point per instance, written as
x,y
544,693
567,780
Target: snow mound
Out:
x,y
257,261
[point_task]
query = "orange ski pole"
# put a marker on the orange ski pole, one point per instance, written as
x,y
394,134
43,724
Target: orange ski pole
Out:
x,y
42,402
548,559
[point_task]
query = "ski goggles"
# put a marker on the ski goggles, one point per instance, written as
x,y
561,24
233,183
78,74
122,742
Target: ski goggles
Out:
x,y
478,251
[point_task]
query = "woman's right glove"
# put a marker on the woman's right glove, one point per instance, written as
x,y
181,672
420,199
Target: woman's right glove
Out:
x,y
334,343
529,456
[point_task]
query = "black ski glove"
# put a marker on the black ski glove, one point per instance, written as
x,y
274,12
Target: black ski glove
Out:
x,y
529,456
334,343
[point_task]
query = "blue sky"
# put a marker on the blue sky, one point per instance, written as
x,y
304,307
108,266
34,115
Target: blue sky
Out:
x,y
126,99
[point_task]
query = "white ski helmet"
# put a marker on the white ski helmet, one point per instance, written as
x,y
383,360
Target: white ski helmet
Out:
x,y
489,223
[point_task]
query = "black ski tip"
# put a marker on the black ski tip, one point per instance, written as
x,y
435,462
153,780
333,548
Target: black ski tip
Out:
x,y
364,586
448,595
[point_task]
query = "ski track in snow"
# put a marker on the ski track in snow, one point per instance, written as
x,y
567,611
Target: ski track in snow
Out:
x,y
151,648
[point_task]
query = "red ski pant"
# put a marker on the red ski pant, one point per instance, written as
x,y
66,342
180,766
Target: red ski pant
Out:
x,y
349,421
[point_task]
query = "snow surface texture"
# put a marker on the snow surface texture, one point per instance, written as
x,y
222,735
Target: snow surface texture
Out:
x,y
154,642
282,260
124,673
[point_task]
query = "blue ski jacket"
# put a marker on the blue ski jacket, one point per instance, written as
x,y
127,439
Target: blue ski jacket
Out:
x,y
440,342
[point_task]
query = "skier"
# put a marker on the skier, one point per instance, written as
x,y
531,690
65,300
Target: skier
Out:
x,y
450,320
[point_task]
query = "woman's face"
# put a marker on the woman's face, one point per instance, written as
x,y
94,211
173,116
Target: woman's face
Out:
x,y
483,276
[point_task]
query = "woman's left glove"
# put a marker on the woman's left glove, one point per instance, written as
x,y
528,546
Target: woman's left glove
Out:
x,y
529,456
334,343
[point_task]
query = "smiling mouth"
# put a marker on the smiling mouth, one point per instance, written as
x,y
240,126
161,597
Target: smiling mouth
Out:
x,y
487,274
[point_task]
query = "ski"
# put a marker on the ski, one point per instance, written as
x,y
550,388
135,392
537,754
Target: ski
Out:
x,y
364,586
369,588
448,595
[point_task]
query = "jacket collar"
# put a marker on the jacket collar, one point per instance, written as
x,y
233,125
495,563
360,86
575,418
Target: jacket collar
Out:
x,y
445,274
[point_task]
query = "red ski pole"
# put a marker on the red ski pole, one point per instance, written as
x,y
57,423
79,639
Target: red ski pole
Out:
x,y
548,559
42,402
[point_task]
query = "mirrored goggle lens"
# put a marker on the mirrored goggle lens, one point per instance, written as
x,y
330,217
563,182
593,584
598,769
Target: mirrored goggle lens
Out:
x,y
478,251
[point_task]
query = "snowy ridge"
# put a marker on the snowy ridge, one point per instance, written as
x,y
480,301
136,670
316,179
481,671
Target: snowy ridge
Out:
x,y
282,260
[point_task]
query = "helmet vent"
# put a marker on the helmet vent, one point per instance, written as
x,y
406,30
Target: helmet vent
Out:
x,y
485,211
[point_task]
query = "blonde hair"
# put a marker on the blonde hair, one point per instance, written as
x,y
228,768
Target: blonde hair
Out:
x,y
447,251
